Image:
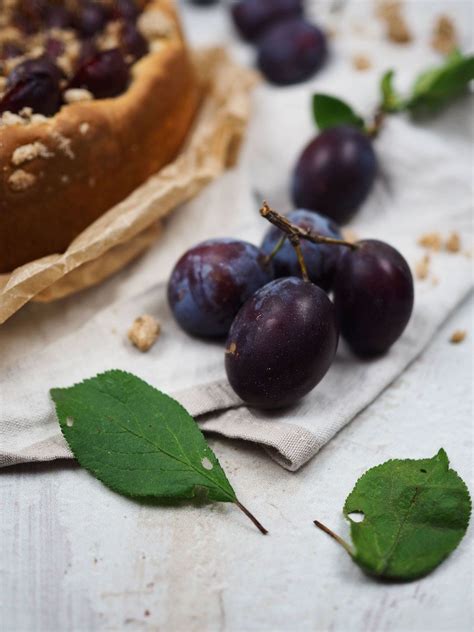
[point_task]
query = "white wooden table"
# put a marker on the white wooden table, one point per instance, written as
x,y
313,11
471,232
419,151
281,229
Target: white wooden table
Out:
x,y
75,556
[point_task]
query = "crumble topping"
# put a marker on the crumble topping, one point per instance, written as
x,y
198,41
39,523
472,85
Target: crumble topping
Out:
x,y
144,332
25,153
77,95
53,37
63,143
21,180
155,23
84,128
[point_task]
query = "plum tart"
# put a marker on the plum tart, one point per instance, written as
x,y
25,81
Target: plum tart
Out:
x,y
95,96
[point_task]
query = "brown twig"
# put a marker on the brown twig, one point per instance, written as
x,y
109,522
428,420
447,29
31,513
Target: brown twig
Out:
x,y
296,232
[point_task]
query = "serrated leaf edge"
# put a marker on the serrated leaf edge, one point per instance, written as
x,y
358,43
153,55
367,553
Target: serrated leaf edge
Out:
x,y
441,453
111,486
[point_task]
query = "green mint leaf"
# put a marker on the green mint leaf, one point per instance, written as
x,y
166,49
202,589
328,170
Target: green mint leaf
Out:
x,y
437,86
391,101
139,441
329,111
415,513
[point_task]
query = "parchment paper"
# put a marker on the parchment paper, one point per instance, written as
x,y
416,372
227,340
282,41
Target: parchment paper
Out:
x,y
131,226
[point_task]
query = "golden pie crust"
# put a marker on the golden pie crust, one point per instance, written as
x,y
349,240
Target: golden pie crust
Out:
x,y
59,174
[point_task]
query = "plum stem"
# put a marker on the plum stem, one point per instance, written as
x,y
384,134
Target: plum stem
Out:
x,y
259,526
334,536
379,119
276,249
296,233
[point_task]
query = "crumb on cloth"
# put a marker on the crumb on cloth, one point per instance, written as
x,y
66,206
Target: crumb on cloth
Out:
x,y
453,243
361,62
432,241
458,336
144,332
445,37
397,29
422,268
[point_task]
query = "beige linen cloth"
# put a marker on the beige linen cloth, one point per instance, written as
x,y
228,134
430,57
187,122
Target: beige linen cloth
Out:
x,y
425,185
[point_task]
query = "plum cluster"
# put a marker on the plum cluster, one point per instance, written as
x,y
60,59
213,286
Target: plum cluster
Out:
x,y
40,83
273,303
290,49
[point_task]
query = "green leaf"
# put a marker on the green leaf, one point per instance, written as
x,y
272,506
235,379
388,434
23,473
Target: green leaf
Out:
x,y
415,513
437,86
138,441
391,101
330,112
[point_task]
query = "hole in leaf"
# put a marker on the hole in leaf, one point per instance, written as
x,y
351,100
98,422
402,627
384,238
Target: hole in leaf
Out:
x,y
69,422
356,516
423,471
207,465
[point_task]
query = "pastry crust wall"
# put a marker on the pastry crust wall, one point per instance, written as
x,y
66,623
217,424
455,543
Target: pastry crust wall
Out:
x,y
91,155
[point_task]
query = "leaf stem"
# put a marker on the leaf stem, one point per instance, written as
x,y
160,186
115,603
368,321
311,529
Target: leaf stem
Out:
x,y
334,536
259,526
296,233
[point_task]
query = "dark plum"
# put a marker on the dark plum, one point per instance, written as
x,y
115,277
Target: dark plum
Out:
x,y
211,282
125,10
58,17
252,17
281,343
132,41
373,295
335,173
321,259
203,3
88,49
54,47
34,83
91,19
105,74
28,14
10,49
292,51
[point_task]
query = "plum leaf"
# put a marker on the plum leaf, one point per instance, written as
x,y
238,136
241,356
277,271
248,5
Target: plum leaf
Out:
x,y
415,513
140,442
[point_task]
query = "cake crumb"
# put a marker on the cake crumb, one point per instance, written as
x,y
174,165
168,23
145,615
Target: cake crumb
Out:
x,y
361,62
422,268
390,12
26,153
432,241
144,332
453,243
21,180
458,336
445,37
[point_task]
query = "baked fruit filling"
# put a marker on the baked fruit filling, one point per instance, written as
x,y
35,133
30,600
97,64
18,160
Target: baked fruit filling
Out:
x,y
58,52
